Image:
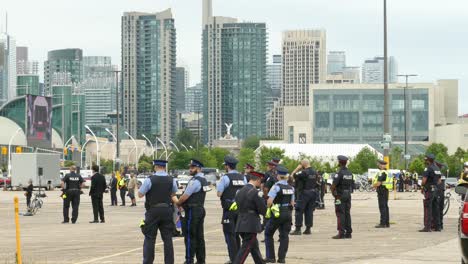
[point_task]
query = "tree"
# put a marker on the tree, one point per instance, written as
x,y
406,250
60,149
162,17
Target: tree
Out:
x,y
246,155
106,166
417,165
251,142
219,154
396,161
266,154
439,150
185,136
355,168
366,159
145,164
68,163
180,160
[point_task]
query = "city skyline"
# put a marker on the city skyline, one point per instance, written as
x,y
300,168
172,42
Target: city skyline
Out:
x,y
408,28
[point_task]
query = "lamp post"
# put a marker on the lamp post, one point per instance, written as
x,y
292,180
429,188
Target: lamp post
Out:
x,y
115,151
406,114
186,149
386,94
175,146
66,145
191,147
9,151
136,149
151,144
98,162
82,150
164,146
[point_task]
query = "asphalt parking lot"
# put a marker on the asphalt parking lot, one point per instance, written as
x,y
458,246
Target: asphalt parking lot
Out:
x,y
119,240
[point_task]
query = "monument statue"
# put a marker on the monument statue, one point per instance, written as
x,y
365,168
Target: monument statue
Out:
x,y
228,128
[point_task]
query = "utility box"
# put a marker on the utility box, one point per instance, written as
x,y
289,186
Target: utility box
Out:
x,y
42,168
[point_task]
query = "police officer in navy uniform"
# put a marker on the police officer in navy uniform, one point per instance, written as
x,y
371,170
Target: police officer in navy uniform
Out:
x,y
281,195
430,180
71,185
248,168
341,190
160,191
441,189
193,201
382,194
250,206
227,188
307,197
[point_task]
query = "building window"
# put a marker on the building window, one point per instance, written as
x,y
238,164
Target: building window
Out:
x,y
291,134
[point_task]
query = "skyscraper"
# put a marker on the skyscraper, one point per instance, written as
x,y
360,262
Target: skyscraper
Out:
x,y
274,78
7,68
148,72
336,61
233,76
180,85
23,65
63,61
194,99
373,70
304,63
99,88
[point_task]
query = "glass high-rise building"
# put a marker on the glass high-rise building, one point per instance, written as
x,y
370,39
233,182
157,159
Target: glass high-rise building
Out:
x,y
180,89
274,81
194,99
68,61
98,86
336,61
373,70
7,68
149,74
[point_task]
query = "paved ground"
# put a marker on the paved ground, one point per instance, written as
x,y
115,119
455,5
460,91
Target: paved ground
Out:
x,y
119,240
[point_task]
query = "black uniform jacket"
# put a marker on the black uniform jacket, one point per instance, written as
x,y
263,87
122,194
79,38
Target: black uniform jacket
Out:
x,y
98,185
250,207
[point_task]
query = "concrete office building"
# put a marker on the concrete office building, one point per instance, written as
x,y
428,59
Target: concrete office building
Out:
x,y
149,74
373,70
98,86
233,76
7,68
353,113
347,75
336,61
63,61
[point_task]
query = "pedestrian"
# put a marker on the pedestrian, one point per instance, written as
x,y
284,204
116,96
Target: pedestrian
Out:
x,y
28,193
250,206
415,181
306,197
71,187
441,194
269,180
247,169
464,173
227,188
281,197
160,193
113,190
341,190
322,190
132,185
431,175
383,183
123,189
96,191
192,202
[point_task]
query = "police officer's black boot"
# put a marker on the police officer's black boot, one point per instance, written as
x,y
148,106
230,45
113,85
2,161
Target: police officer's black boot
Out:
x,y
269,260
281,261
296,232
338,236
307,231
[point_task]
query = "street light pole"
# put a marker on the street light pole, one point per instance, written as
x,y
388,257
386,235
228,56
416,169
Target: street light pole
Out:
x,y
164,146
98,156
136,149
175,146
82,150
117,147
386,104
151,144
186,149
406,114
9,151
115,151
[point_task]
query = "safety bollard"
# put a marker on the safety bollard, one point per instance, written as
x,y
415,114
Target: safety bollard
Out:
x,y
19,259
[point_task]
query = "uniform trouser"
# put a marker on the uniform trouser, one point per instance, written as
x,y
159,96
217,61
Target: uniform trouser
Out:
x,y
343,217
230,236
305,207
113,195
249,245
122,195
401,186
283,224
194,238
159,218
322,194
98,208
73,198
28,200
382,197
441,208
431,208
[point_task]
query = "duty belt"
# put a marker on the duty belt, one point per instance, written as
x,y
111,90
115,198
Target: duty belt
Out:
x,y
160,205
72,189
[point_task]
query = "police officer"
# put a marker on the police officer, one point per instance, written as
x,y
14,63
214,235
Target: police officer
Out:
x,y
307,196
322,189
431,175
193,202
441,194
341,190
382,183
270,176
123,189
280,196
247,169
160,192
71,185
227,188
250,206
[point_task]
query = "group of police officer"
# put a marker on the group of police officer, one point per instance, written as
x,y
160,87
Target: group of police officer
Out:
x,y
246,198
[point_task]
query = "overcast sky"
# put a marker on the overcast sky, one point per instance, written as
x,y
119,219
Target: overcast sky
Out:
x,y
427,37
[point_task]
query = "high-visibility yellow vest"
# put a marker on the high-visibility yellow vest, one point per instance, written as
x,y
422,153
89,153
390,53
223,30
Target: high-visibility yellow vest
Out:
x,y
388,183
122,183
326,176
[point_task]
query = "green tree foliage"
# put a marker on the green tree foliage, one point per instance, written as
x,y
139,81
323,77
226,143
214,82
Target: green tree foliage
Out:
x,y
218,154
251,142
356,168
68,163
185,136
145,164
417,165
246,155
366,160
439,150
106,166
266,154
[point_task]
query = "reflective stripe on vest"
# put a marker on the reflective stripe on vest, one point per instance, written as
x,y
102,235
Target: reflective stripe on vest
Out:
x,y
388,183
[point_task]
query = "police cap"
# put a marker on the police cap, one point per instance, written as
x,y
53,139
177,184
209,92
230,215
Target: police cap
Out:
x,y
272,163
342,158
275,160
430,156
257,174
440,164
161,163
196,163
382,162
249,166
281,170
230,160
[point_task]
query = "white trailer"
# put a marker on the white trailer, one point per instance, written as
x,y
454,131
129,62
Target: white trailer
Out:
x,y
42,168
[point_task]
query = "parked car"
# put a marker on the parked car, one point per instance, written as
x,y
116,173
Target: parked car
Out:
x,y
5,179
463,223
